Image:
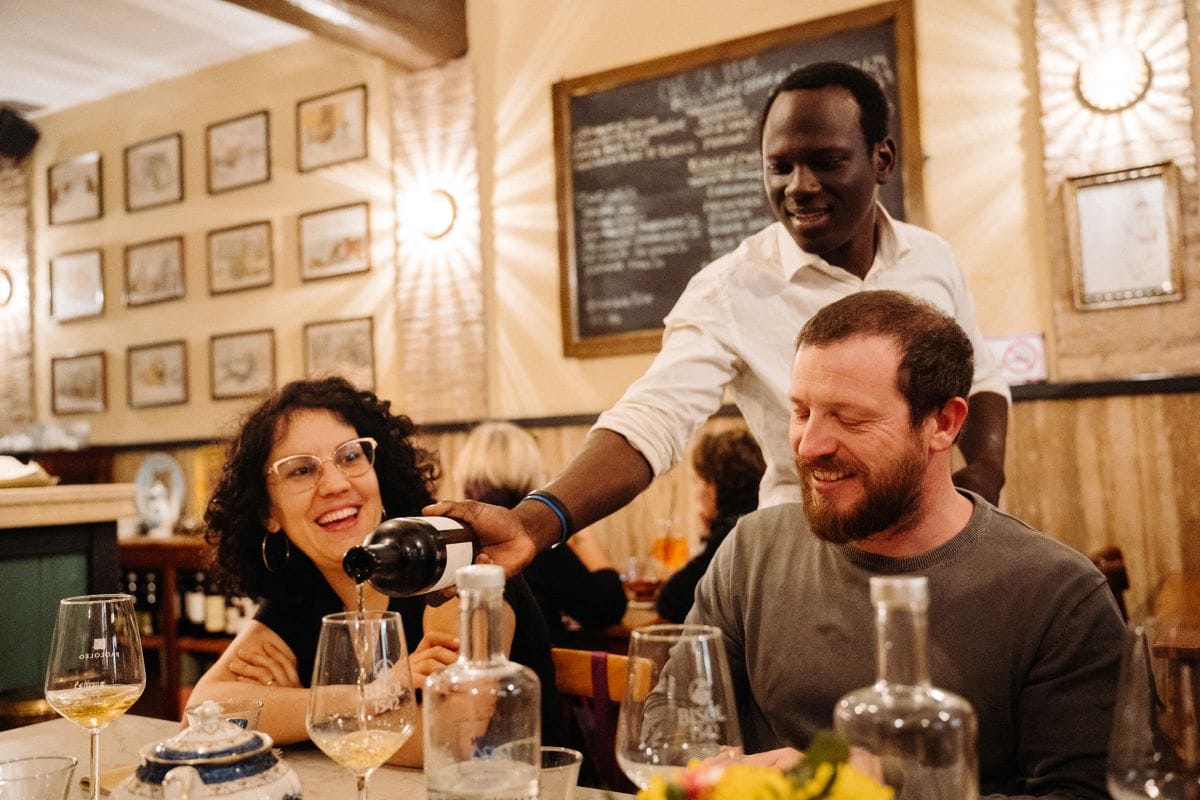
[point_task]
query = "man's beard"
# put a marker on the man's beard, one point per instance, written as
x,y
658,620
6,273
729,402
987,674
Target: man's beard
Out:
x,y
892,497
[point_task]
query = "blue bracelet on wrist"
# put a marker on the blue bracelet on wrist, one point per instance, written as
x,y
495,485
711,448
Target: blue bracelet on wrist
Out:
x,y
560,511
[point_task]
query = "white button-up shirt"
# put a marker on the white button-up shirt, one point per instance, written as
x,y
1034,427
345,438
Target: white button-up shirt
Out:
x,y
734,328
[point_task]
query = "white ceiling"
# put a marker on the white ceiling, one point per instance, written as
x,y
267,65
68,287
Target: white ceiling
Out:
x,y
58,53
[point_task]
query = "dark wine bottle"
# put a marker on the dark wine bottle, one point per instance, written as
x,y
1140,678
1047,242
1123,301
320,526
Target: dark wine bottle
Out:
x,y
412,555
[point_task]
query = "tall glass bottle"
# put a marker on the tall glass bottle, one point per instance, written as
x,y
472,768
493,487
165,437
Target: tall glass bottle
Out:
x,y
924,736
482,714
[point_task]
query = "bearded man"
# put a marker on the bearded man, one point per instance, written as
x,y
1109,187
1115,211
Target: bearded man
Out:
x,y
1020,625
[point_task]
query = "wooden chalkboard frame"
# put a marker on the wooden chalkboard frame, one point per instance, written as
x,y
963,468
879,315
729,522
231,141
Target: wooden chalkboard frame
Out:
x,y
898,13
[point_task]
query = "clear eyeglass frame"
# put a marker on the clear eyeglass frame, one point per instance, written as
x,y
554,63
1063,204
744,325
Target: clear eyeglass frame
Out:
x,y
301,472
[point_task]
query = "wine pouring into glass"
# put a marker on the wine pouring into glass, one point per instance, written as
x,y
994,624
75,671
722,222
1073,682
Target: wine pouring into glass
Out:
x,y
361,707
96,670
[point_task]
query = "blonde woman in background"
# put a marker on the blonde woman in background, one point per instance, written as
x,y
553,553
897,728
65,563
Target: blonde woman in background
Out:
x,y
500,464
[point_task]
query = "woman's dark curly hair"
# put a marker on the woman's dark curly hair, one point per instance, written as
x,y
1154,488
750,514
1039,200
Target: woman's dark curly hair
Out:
x,y
236,515
732,462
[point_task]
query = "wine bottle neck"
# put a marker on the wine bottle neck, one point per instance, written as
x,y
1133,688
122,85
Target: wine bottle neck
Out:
x,y
901,634
480,625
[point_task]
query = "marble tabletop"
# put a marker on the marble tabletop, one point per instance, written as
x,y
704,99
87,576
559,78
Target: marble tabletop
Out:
x,y
321,778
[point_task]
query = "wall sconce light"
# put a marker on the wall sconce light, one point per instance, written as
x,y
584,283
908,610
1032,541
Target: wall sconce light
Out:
x,y
437,214
6,287
1113,77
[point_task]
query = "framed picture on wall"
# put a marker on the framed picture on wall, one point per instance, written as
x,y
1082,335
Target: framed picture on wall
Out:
x,y
331,128
154,173
154,271
335,241
238,152
77,285
240,258
75,189
157,374
242,364
1123,235
341,347
78,384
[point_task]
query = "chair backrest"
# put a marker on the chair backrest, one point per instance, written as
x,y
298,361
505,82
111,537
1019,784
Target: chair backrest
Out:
x,y
592,683
574,671
1111,563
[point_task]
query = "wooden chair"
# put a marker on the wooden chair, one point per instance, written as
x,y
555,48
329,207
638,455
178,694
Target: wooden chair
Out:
x,y
592,682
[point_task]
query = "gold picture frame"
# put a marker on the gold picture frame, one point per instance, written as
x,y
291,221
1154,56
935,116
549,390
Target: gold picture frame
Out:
x,y
78,384
1124,237
331,128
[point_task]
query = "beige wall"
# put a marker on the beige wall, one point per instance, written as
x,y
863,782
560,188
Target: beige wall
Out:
x,y
979,131
275,81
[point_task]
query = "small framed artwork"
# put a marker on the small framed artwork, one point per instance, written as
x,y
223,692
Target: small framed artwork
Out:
x,y
77,285
157,374
242,364
78,384
154,173
335,241
238,152
240,258
331,128
154,271
341,347
1123,235
75,190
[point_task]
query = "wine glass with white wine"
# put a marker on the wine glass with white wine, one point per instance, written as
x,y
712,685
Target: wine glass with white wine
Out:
x,y
361,707
96,671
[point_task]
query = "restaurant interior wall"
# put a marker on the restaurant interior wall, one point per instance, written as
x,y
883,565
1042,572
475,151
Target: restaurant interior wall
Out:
x,y
275,80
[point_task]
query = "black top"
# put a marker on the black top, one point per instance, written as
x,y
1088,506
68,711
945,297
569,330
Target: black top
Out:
x,y
677,594
563,584
297,620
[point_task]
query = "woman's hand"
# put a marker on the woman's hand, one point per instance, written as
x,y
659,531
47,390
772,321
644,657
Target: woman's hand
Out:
x,y
266,660
435,652
783,758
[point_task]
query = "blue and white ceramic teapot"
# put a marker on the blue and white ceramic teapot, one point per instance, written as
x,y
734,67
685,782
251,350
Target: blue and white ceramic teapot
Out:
x,y
211,758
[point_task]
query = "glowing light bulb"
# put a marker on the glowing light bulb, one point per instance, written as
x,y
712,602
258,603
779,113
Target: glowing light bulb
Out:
x,y
437,214
1113,77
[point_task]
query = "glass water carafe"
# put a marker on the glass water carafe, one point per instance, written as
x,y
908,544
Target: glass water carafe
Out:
x,y
482,714
924,736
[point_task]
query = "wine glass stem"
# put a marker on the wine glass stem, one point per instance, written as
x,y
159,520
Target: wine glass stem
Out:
x,y
362,786
95,734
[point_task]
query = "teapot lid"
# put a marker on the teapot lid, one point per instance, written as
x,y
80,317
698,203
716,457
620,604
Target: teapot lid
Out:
x,y
208,738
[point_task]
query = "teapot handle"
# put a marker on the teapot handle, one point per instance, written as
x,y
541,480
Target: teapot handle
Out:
x,y
181,783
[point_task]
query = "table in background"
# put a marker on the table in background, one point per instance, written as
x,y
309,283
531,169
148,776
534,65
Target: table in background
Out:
x,y
320,777
614,638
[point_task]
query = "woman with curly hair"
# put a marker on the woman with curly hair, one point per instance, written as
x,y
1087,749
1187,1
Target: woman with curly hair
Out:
x,y
313,470
728,466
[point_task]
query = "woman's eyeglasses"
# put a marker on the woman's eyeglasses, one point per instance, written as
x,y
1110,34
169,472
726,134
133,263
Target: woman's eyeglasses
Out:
x,y
300,473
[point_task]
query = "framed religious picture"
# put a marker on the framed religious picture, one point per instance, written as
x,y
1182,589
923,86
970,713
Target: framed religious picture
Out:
x,y
335,241
331,128
240,258
75,189
238,152
78,384
341,347
1124,239
158,374
154,173
154,271
77,285
242,364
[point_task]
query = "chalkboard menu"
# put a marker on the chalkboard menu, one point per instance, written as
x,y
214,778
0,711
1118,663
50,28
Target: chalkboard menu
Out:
x,y
659,169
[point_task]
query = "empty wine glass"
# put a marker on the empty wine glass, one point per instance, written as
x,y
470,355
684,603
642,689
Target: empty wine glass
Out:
x,y
678,703
96,671
361,707
1154,747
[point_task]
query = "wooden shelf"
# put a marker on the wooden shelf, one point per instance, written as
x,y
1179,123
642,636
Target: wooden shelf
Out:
x,y
194,644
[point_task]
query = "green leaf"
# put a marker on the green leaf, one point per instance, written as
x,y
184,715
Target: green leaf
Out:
x,y
826,746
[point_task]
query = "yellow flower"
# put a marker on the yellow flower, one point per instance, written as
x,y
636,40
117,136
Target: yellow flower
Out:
x,y
854,785
744,782
657,790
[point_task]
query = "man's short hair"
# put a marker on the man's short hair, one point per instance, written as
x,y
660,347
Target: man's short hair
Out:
x,y
872,102
937,360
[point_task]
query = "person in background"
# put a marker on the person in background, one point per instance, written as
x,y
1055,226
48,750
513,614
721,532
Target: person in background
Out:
x,y
313,470
826,151
501,463
728,466
1021,625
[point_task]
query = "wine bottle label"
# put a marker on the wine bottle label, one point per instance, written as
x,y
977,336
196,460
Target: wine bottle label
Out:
x,y
458,554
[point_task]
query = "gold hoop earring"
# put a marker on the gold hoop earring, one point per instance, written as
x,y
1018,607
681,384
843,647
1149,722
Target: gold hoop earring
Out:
x,y
287,551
